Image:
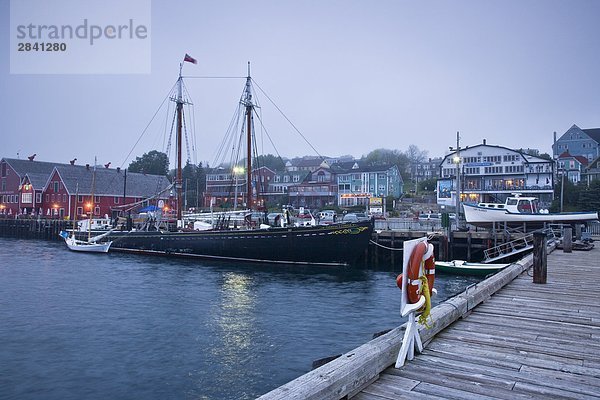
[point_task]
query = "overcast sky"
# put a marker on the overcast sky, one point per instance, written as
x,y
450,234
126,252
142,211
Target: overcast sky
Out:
x,y
351,75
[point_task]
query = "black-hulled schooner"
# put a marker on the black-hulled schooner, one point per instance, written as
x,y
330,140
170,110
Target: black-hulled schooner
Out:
x,y
335,244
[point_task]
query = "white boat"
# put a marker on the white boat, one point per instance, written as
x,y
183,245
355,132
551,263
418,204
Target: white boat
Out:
x,y
460,267
90,246
518,210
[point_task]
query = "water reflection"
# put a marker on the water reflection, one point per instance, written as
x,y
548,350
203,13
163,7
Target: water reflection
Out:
x,y
235,316
157,328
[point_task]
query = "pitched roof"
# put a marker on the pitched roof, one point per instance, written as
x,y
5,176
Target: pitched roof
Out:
x,y
37,180
110,182
594,133
358,166
582,160
23,167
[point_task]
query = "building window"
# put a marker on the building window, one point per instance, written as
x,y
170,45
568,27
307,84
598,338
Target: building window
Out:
x,y
26,198
117,199
97,211
3,170
296,178
38,198
55,187
3,185
64,198
79,210
47,197
96,199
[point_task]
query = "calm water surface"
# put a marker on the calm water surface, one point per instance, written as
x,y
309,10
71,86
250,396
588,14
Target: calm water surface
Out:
x,y
117,326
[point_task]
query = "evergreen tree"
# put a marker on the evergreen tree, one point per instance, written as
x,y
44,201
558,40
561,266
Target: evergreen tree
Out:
x,y
152,163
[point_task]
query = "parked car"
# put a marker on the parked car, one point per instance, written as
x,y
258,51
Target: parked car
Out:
x,y
362,216
430,216
355,217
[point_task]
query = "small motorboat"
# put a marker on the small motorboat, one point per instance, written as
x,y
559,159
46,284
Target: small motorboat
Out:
x,y
518,210
460,267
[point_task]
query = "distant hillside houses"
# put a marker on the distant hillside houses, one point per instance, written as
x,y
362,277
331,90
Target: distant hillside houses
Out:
x,y
578,142
576,153
311,182
54,190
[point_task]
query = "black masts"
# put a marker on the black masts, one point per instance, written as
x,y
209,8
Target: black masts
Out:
x,y
178,177
247,102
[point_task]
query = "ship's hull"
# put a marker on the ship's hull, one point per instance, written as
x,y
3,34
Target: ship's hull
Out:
x,y
486,216
339,244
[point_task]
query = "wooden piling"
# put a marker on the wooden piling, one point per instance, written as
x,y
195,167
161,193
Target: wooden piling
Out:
x,y
568,239
540,257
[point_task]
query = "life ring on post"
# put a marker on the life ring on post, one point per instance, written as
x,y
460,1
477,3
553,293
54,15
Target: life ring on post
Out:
x,y
422,252
430,267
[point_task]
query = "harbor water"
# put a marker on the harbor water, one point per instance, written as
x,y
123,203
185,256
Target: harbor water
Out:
x,y
119,326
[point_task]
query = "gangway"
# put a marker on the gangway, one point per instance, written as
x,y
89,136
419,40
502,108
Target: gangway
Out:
x,y
516,246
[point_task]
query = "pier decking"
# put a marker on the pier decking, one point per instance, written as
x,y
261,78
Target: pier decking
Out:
x,y
526,341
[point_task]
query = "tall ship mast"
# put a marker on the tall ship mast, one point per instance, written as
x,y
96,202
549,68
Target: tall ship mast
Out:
x,y
249,107
284,243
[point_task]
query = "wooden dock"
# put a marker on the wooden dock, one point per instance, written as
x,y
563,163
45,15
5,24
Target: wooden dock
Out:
x,y
526,341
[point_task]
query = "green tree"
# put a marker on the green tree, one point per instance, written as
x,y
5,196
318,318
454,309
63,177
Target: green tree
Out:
x,y
571,197
388,157
194,184
589,197
428,185
274,163
153,163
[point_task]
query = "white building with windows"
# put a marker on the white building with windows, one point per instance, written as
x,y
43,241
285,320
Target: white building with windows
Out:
x,y
490,173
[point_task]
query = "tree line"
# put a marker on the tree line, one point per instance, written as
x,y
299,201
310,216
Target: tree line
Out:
x,y
576,197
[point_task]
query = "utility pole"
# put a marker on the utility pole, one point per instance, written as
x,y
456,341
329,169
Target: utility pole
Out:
x,y
457,161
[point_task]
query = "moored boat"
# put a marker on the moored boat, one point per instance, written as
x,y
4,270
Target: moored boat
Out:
x,y
460,267
83,245
287,243
519,210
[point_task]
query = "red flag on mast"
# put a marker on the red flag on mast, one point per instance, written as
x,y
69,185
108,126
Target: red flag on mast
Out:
x,y
188,58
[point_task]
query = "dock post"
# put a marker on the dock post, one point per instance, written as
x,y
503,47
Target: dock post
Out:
x,y
568,239
393,260
540,257
577,231
469,237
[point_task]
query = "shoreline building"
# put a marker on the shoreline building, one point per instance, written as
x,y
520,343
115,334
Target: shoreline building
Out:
x,y
491,173
53,190
358,183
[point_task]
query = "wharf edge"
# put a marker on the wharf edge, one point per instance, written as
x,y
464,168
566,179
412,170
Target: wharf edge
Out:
x,y
527,341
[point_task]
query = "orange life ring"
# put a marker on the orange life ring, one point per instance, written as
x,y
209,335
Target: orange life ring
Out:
x,y
430,270
414,269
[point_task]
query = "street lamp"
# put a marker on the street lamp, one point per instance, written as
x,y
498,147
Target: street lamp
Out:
x,y
456,160
236,171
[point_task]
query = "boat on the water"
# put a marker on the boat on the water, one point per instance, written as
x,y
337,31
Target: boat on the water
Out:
x,y
286,242
84,245
91,244
519,210
460,267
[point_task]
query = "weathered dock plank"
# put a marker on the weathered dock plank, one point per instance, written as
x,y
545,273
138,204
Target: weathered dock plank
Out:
x,y
505,338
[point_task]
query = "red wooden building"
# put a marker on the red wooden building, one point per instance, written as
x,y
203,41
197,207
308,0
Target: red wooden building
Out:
x,y
52,190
